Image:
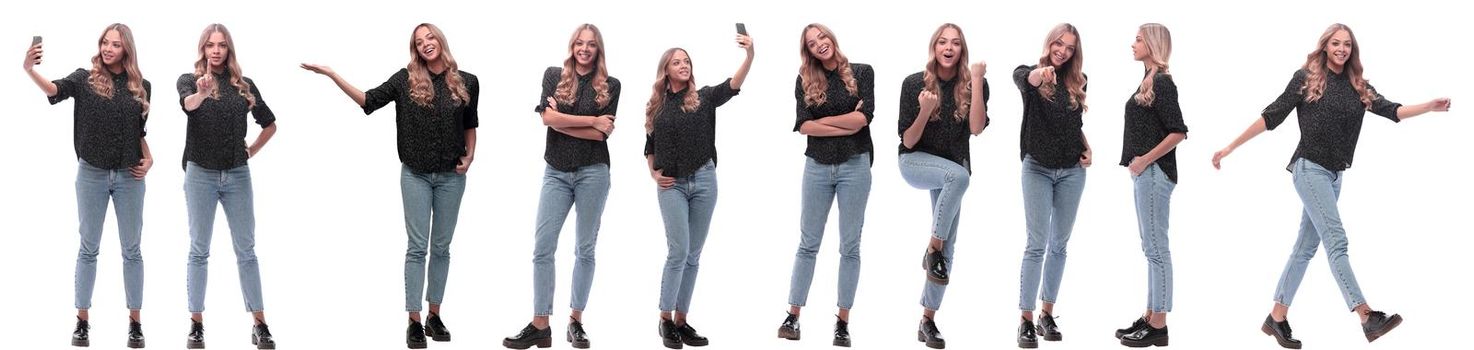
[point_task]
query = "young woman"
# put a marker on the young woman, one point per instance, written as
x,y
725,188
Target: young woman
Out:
x,y
578,104
680,150
1330,97
940,107
1153,129
1055,154
836,102
216,99
112,104
435,107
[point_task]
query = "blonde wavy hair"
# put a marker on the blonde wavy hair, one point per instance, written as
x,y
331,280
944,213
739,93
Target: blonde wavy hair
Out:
x,y
421,90
1074,75
1315,67
101,79
568,82
811,69
1159,50
962,93
662,81
202,64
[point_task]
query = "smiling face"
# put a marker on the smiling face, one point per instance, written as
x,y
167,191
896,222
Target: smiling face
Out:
x,y
585,48
1338,49
1062,49
216,50
678,67
427,45
947,48
819,45
111,48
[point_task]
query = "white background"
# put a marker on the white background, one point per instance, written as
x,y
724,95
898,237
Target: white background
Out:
x,y
330,233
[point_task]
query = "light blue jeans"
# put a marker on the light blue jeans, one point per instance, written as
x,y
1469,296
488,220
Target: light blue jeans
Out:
x,y
1320,223
231,189
686,208
1051,200
432,201
94,187
1153,202
822,183
946,181
586,189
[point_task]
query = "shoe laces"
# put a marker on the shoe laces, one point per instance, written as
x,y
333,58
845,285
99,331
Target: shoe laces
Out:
x,y
262,330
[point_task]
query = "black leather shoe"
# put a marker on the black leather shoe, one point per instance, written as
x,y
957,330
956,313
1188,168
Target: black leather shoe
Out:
x,y
936,266
79,335
135,334
435,329
530,336
841,333
1146,336
1378,324
1280,331
928,333
1135,325
196,337
789,328
668,334
261,337
1028,338
689,336
576,335
1048,329
414,336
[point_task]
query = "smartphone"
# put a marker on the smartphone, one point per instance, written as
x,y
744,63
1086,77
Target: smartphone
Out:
x,y
35,40
741,29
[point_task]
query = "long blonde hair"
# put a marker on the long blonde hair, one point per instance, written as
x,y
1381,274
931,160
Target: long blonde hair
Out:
x,y
662,82
202,64
811,69
962,93
1159,50
1074,75
1315,67
101,79
568,82
421,90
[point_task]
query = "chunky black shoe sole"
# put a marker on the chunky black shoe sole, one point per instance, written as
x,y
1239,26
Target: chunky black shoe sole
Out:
x,y
1283,343
81,343
540,343
259,345
926,264
788,333
441,337
582,344
1144,343
132,344
921,337
1392,322
1049,337
842,343
194,345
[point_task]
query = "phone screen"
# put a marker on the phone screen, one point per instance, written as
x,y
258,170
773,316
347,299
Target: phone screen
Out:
x,y
741,29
